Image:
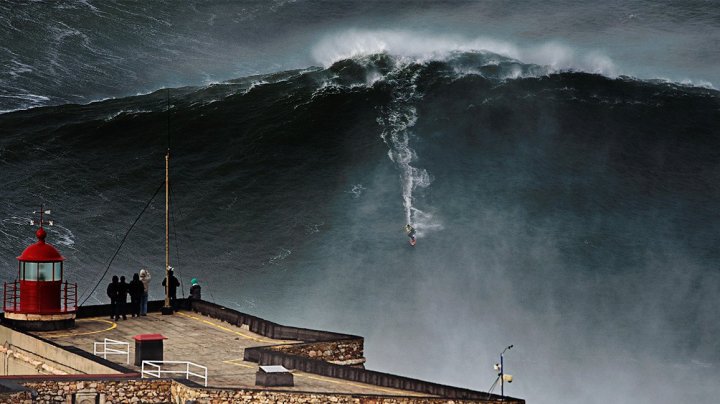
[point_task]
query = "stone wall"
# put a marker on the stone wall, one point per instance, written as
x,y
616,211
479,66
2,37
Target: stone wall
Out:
x,y
114,391
110,391
183,394
20,397
344,352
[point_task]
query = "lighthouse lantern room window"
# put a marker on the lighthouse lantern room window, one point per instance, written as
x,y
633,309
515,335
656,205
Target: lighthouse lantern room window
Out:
x,y
41,271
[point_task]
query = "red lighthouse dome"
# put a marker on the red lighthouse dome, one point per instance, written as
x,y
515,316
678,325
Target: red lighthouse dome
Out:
x,y
41,251
39,299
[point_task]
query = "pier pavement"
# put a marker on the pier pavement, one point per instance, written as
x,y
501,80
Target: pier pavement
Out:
x,y
206,341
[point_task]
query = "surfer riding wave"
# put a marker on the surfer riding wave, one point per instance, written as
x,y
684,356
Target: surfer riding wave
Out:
x,y
411,233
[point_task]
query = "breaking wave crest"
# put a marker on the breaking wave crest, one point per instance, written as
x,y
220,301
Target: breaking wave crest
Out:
x,y
420,47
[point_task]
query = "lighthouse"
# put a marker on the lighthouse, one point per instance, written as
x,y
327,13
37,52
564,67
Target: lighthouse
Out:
x,y
39,299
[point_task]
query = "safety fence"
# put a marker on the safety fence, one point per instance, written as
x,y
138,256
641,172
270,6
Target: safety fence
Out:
x,y
107,347
160,368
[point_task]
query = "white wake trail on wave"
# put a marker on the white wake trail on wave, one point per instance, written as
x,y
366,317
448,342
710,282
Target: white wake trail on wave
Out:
x,y
397,121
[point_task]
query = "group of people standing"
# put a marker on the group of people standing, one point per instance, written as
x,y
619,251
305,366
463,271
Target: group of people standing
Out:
x,y
138,289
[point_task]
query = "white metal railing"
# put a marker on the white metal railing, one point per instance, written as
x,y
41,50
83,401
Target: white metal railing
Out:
x,y
107,349
154,368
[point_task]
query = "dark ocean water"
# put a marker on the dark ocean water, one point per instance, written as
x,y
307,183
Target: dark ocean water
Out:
x,y
568,209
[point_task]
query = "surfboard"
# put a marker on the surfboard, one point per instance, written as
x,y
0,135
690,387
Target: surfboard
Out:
x,y
413,242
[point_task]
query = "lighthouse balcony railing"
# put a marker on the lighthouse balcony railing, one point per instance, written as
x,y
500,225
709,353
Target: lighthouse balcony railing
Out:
x,y
12,297
70,296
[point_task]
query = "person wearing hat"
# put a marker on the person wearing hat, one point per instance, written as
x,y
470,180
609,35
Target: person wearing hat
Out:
x,y
172,287
195,289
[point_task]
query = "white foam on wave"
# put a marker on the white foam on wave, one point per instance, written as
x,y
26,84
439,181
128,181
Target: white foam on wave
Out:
x,y
312,228
280,256
416,46
28,97
31,101
255,84
8,227
18,68
698,83
356,190
78,4
422,47
332,85
126,112
64,236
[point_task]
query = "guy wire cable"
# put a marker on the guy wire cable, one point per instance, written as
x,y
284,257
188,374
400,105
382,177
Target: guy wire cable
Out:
x,y
177,246
176,240
121,243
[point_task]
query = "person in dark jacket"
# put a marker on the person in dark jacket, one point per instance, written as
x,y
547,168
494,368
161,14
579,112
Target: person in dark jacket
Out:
x,y
112,292
195,290
123,289
136,293
172,288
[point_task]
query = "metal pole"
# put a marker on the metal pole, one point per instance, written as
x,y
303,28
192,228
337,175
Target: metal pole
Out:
x,y
166,308
502,378
502,372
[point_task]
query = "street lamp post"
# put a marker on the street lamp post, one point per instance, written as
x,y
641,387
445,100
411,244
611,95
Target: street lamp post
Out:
x,y
501,376
502,372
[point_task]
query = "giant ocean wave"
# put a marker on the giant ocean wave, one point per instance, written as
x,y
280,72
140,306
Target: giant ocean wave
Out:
x,y
570,213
